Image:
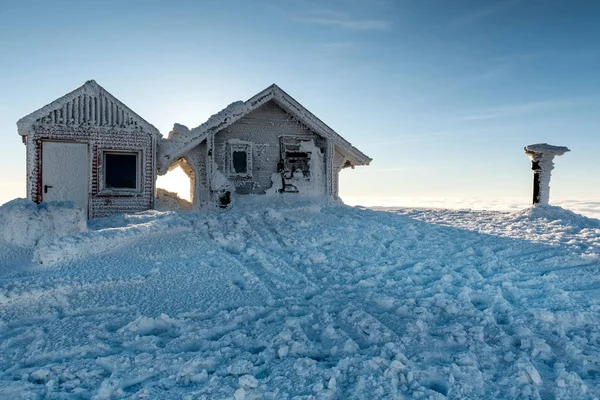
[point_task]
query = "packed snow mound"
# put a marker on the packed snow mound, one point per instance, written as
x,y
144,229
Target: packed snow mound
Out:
x,y
556,215
26,224
170,201
308,301
85,244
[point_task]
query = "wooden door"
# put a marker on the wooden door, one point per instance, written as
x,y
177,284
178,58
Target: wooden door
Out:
x,y
65,173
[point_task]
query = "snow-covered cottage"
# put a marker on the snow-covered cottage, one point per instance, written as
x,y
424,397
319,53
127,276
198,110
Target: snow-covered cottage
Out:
x,y
90,148
268,144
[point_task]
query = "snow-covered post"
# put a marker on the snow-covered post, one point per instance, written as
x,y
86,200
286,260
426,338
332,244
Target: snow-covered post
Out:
x,y
541,156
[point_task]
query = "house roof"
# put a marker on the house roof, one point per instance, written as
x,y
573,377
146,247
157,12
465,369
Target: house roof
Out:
x,y
181,139
73,109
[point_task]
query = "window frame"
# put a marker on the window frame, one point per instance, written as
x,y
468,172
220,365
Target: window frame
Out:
x,y
104,189
236,145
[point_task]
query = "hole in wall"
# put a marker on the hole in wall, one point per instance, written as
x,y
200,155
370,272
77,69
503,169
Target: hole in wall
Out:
x,y
176,181
175,189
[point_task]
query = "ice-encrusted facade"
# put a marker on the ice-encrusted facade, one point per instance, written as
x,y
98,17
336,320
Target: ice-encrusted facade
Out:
x,y
268,144
75,141
89,148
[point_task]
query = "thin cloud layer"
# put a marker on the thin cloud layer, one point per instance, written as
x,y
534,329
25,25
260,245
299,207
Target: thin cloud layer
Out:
x,y
528,108
589,208
341,20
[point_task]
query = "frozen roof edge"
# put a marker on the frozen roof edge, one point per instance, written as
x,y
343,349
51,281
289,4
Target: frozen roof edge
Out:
x,y
91,86
232,113
546,148
320,125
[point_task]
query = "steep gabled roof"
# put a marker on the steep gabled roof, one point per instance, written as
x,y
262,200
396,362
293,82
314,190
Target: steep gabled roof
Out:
x,y
88,105
182,139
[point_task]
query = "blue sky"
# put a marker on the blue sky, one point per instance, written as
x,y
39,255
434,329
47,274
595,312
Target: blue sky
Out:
x,y
443,95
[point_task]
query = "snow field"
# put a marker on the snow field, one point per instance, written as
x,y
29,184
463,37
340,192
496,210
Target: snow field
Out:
x,y
307,301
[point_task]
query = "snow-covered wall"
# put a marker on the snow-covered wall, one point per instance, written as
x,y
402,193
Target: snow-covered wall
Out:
x,y
91,115
98,140
263,128
255,127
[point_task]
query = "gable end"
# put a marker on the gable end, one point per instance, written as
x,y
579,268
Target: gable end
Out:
x,y
87,106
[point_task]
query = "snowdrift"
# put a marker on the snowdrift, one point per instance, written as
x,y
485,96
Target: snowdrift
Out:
x,y
170,201
26,224
556,215
72,247
309,301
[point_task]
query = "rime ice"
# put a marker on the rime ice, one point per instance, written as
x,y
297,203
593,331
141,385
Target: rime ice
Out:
x,y
74,142
269,144
542,156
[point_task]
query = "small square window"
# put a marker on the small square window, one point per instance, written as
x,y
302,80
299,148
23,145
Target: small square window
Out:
x,y
240,158
121,171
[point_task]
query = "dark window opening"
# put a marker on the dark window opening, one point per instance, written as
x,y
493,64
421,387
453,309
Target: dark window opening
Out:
x,y
294,161
240,162
296,154
120,171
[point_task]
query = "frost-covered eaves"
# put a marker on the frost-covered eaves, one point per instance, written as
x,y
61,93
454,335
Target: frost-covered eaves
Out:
x,y
90,88
181,139
546,148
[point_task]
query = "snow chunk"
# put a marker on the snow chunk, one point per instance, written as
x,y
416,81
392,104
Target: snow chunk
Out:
x,y
27,224
239,394
240,367
530,374
276,183
152,326
248,381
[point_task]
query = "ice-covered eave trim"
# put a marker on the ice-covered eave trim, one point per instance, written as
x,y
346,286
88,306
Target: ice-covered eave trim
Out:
x,y
25,124
349,158
173,149
176,146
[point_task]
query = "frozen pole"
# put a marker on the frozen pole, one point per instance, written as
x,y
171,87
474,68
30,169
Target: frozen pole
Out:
x,y
541,156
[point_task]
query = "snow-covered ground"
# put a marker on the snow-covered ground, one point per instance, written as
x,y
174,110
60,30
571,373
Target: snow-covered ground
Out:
x,y
306,301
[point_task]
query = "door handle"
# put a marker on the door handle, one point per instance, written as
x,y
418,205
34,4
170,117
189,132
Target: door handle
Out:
x,y
46,187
